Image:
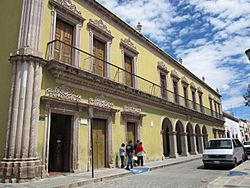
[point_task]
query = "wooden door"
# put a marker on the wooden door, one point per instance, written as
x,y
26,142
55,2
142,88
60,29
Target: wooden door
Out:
x,y
99,143
64,33
131,132
99,61
128,68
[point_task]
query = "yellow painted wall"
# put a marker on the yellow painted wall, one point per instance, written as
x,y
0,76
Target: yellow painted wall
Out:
x,y
146,67
9,31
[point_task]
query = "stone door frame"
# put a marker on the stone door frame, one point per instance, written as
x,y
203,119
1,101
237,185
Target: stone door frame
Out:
x,y
63,109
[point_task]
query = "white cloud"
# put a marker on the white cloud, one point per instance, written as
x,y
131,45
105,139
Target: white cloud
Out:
x,y
154,16
212,44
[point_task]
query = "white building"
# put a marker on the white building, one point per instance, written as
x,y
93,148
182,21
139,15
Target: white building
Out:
x,y
244,128
232,127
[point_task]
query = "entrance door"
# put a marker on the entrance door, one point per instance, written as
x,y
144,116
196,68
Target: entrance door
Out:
x,y
59,145
64,33
131,132
99,61
99,143
128,68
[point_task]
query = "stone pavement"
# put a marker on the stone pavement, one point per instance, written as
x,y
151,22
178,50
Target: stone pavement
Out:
x,y
237,177
84,178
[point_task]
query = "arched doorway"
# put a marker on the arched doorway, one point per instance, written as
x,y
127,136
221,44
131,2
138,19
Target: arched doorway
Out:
x,y
189,131
198,138
205,136
166,129
179,132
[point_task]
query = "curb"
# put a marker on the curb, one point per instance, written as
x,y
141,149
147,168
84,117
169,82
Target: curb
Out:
x,y
113,176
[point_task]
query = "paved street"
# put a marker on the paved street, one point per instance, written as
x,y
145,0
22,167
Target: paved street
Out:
x,y
191,174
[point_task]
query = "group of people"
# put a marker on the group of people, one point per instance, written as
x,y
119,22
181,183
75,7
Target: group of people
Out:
x,y
134,154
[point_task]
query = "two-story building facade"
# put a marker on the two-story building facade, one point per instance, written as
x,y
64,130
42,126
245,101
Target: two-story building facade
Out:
x,y
76,77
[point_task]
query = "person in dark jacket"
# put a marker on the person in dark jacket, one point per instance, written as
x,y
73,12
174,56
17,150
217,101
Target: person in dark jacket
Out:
x,y
129,151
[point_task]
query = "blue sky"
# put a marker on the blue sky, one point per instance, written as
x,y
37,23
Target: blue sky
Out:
x,y
210,36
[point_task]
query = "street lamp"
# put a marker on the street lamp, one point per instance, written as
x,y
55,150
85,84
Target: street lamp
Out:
x,y
247,52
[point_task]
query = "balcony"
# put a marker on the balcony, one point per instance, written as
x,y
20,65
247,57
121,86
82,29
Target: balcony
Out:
x,y
74,65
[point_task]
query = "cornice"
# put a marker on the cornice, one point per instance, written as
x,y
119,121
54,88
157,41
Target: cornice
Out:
x,y
99,26
109,15
76,76
68,7
127,44
162,66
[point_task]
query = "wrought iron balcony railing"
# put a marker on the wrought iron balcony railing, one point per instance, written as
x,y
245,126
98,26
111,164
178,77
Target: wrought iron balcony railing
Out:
x,y
65,53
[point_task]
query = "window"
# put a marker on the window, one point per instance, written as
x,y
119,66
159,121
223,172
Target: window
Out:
x,y
163,81
65,28
129,70
100,41
185,95
185,90
201,102
176,96
215,109
129,58
63,47
99,52
194,99
175,79
211,105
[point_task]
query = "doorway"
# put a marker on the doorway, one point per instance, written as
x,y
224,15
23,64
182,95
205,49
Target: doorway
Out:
x,y
131,130
99,143
59,145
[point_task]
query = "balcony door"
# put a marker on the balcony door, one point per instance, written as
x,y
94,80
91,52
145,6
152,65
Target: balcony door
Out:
x,y
163,85
63,50
99,57
129,68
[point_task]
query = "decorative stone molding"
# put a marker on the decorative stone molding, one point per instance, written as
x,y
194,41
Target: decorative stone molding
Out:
x,y
210,96
64,93
101,101
127,44
184,81
67,6
131,108
192,86
100,27
162,66
175,75
200,90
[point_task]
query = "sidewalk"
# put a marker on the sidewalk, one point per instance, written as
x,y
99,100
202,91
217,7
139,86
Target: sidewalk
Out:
x,y
237,177
80,179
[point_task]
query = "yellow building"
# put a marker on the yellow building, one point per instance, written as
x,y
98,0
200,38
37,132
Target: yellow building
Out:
x,y
72,69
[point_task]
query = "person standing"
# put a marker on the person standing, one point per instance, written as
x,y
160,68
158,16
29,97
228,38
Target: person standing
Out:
x,y
129,151
122,154
139,151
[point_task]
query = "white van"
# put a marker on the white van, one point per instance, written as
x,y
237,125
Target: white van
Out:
x,y
223,151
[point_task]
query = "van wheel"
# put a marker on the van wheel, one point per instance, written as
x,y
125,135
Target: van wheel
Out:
x,y
235,162
206,166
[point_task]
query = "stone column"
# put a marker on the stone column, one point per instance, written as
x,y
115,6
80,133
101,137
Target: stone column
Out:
x,y
21,160
173,145
201,143
193,145
184,146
